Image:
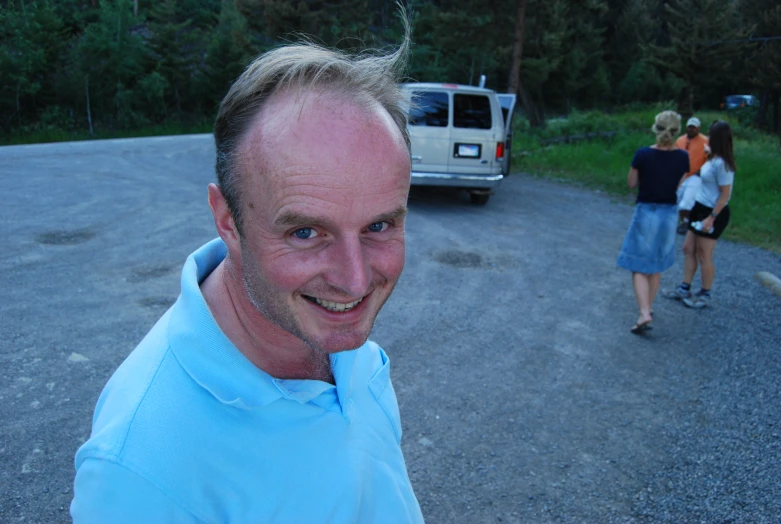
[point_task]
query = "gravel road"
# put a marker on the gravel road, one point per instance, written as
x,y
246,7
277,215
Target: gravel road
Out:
x,y
524,397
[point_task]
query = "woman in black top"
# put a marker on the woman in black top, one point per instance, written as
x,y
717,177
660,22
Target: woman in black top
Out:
x,y
649,245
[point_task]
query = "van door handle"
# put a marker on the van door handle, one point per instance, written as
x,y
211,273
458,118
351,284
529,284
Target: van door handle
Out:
x,y
484,161
417,157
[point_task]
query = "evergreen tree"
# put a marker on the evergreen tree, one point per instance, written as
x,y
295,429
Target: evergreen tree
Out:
x,y
514,83
342,23
203,14
127,63
176,49
428,62
583,76
230,50
105,64
703,49
467,36
545,42
31,42
763,66
635,78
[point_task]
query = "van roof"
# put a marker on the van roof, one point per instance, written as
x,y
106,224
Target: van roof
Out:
x,y
451,87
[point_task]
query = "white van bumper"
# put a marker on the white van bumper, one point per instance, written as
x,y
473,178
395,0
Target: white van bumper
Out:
x,y
420,178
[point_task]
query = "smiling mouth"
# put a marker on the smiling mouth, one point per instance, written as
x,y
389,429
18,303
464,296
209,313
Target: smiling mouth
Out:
x,y
337,307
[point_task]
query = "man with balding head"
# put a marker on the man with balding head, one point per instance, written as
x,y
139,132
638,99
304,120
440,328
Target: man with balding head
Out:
x,y
257,397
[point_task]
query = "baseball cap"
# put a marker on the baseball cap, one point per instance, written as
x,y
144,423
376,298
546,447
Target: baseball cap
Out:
x,y
693,121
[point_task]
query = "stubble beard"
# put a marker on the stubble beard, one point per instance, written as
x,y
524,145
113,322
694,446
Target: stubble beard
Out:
x,y
277,312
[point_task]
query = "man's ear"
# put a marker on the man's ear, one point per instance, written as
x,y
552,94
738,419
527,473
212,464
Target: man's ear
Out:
x,y
223,220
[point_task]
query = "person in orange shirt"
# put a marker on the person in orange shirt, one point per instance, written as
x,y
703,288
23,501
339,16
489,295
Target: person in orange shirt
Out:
x,y
696,144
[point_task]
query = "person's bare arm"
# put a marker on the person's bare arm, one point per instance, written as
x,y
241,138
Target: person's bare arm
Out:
x,y
721,203
633,178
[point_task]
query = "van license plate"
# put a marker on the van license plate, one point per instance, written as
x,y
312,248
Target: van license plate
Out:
x,y
467,151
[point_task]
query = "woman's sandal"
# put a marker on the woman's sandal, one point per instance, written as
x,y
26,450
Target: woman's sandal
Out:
x,y
642,327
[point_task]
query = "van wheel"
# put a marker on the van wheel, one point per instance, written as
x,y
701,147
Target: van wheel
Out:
x,y
479,199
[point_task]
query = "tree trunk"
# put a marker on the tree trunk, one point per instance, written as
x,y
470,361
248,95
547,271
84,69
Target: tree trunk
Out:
x,y
686,101
534,112
135,8
540,108
515,70
89,112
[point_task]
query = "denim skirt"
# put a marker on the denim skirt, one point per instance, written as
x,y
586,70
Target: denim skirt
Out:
x,y
649,245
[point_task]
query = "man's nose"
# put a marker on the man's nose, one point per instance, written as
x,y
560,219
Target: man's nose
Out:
x,y
350,269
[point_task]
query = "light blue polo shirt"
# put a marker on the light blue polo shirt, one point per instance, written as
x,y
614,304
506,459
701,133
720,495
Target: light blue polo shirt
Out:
x,y
189,430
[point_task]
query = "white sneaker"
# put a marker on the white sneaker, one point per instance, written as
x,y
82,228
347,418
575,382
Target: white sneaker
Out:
x,y
698,301
677,294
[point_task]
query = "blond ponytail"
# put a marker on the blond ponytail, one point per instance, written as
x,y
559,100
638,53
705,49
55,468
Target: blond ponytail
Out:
x,y
666,126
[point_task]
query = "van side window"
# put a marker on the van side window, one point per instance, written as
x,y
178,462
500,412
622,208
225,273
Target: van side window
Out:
x,y
472,111
428,109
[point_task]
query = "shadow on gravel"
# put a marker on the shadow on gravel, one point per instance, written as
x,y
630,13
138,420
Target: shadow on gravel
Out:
x,y
66,237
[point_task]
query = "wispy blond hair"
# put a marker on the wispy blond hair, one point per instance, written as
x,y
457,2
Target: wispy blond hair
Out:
x,y
365,78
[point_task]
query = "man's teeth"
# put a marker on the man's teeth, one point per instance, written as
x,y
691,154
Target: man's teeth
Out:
x,y
336,306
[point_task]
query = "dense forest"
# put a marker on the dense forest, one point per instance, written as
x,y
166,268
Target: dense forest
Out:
x,y
126,64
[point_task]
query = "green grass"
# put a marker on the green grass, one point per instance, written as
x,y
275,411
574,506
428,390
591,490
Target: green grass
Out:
x,y
604,163
756,198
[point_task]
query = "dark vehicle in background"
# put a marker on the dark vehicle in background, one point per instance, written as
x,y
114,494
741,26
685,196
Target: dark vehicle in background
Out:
x,y
739,101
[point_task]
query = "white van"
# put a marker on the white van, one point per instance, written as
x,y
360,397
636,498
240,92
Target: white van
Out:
x,y
461,136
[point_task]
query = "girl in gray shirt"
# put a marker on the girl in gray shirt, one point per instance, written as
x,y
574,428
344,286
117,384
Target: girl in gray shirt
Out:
x,y
715,174
709,217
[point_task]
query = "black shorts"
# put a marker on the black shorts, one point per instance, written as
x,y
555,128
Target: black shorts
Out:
x,y
700,212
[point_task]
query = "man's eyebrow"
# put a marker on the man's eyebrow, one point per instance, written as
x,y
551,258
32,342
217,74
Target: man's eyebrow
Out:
x,y
300,219
396,214
296,219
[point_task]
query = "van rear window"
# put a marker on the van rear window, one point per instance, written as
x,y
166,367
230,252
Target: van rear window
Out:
x,y
429,109
472,111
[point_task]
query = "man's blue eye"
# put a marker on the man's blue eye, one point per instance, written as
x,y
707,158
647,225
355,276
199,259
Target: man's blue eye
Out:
x,y
378,227
305,233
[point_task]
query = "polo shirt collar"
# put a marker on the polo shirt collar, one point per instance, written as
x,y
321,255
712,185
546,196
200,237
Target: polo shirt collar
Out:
x,y
212,361
327,396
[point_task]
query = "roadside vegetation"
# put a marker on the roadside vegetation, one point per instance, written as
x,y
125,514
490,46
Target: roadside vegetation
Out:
x,y
603,162
52,133
71,69
88,69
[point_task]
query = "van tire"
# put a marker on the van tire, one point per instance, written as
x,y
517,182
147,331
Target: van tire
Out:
x,y
479,199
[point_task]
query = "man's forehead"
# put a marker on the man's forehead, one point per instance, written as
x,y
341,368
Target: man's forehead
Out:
x,y
321,113
297,104
292,112
313,145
